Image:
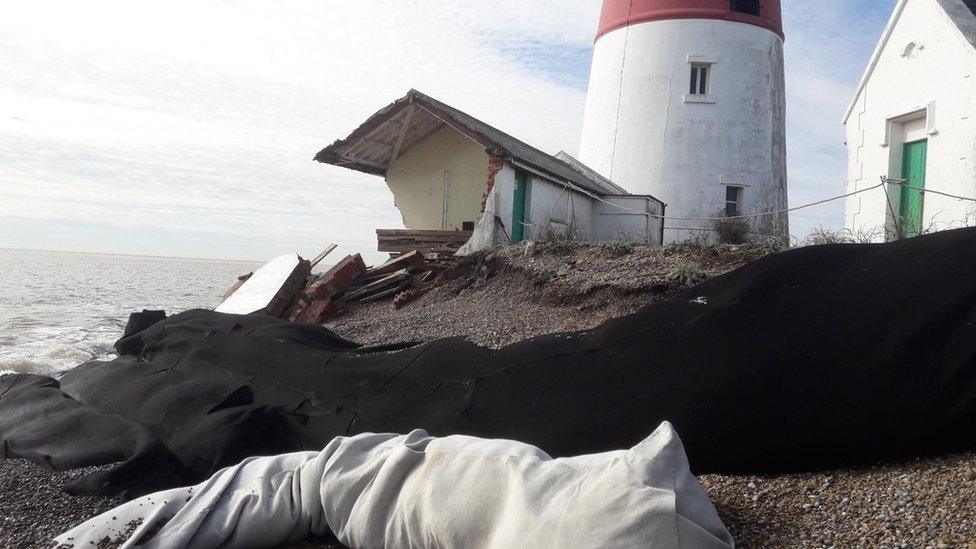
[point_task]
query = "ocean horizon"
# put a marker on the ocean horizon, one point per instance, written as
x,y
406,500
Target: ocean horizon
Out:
x,y
59,309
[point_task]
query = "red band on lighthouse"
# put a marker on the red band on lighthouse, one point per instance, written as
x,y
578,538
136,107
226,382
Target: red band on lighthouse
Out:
x,y
618,14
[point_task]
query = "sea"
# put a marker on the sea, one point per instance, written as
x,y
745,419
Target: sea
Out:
x,y
61,309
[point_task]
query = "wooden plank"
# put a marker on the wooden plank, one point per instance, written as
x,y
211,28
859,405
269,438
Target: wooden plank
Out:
x,y
406,240
433,238
385,293
328,250
405,245
364,162
405,261
369,289
423,233
432,248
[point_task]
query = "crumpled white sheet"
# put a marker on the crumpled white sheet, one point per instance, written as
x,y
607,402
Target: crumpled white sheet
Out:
x,y
395,491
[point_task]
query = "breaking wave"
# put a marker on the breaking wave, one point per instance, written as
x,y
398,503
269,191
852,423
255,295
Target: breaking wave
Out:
x,y
48,327
25,366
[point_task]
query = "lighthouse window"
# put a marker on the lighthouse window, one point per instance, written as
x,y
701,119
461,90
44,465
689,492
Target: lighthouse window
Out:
x,y
699,80
750,7
733,201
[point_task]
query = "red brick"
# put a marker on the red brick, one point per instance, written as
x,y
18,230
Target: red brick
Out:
x,y
336,280
317,312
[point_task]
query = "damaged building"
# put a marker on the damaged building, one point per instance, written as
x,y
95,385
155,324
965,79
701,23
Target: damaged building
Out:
x,y
460,183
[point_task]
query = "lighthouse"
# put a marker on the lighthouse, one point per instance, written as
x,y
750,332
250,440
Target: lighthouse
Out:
x,y
686,102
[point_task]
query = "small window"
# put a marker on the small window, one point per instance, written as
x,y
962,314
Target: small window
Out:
x,y
699,80
733,201
750,7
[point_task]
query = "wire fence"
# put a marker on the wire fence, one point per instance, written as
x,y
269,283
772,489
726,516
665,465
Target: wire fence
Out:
x,y
884,182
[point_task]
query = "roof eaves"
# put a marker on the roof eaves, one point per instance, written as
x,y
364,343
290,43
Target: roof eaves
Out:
x,y
332,155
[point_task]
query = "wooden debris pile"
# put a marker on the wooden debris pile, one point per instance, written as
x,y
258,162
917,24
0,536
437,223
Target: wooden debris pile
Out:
x,y
285,287
406,241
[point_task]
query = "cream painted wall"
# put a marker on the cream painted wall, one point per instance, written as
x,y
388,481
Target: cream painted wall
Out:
x,y
445,173
919,92
449,160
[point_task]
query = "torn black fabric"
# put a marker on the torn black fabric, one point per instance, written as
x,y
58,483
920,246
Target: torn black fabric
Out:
x,y
816,358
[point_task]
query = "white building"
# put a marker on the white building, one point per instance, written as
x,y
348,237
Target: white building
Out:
x,y
457,180
686,102
912,121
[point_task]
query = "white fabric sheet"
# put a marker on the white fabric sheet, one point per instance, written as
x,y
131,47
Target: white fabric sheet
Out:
x,y
394,491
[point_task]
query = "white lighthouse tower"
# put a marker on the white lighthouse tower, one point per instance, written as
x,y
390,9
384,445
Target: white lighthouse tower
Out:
x,y
686,102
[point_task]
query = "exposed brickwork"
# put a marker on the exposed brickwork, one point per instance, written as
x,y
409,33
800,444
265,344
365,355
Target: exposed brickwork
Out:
x,y
495,163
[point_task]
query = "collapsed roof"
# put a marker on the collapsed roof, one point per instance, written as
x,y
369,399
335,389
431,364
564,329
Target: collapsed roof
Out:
x,y
395,129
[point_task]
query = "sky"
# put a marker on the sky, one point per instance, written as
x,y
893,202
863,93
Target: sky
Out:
x,y
187,128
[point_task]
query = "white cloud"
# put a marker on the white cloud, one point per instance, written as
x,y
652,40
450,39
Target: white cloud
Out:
x,y
192,123
201,117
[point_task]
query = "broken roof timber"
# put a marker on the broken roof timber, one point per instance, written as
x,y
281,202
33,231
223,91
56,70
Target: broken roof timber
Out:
x,y
410,120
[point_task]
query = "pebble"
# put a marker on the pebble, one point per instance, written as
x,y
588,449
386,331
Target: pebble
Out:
x,y
36,508
914,504
926,503
560,287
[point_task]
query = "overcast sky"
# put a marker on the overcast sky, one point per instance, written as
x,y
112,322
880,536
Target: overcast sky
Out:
x,y
188,127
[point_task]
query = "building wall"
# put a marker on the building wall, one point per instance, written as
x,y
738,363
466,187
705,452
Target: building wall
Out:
x,y
921,88
642,132
504,191
621,223
557,212
440,183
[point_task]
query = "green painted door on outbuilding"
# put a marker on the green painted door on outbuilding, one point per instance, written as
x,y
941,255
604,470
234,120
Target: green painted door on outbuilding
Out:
x,y
518,206
912,202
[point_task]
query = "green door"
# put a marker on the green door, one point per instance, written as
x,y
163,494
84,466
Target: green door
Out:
x,y
518,207
912,193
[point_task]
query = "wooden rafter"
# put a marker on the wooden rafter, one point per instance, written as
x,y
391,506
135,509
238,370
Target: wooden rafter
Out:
x,y
364,162
438,126
368,137
403,133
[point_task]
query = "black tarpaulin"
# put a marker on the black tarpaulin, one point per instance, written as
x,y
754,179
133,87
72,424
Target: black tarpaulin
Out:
x,y
815,358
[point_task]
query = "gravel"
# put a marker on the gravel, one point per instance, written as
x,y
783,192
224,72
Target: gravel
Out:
x,y
505,296
34,508
509,295
515,293
925,504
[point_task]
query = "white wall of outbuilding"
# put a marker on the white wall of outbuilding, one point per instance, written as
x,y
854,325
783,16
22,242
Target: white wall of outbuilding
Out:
x,y
557,211
920,86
